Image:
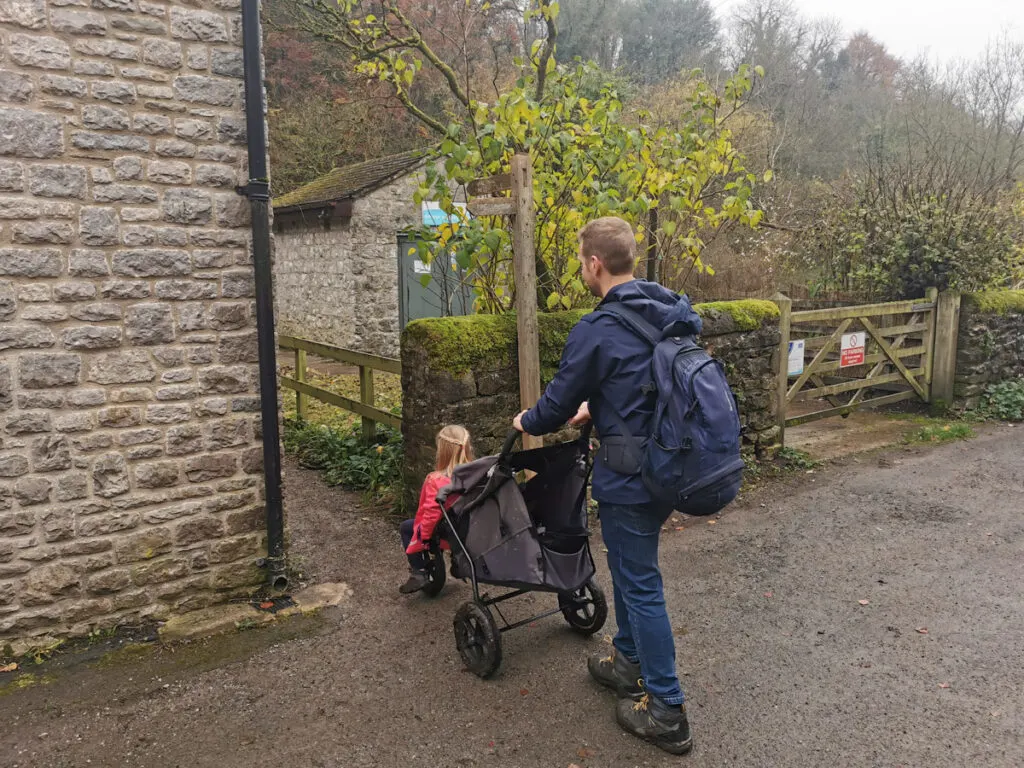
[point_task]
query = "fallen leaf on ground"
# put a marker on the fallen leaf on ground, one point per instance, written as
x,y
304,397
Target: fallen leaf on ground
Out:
x,y
267,605
864,602
922,630
712,522
523,692
585,752
9,667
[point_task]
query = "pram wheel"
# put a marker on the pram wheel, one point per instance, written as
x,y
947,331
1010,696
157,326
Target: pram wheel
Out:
x,y
586,609
435,572
478,639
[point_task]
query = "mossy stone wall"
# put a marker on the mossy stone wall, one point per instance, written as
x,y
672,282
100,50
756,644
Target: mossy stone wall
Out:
x,y
990,344
463,370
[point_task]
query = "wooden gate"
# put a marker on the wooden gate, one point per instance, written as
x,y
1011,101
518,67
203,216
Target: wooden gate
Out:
x,y
836,360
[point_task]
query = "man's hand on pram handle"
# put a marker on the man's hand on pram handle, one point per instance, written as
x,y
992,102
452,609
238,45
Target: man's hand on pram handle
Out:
x,y
517,422
582,416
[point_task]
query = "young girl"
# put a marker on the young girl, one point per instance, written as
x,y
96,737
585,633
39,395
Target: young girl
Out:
x,y
453,448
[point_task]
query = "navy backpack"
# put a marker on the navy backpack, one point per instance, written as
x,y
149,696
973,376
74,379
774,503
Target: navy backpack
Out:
x,y
692,457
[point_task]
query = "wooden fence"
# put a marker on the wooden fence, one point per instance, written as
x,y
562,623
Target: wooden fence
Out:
x,y
367,364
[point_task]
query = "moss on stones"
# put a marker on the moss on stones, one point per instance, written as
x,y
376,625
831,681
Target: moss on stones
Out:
x,y
456,345
996,302
746,314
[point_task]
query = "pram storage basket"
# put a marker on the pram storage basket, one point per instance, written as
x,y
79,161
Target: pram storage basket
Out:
x,y
530,536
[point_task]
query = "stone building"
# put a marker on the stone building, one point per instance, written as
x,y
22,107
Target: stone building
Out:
x,y
339,244
130,457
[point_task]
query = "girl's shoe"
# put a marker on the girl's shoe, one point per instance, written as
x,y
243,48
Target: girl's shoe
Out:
x,y
417,580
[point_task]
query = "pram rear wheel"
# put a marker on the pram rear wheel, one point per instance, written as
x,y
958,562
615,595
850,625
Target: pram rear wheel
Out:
x,y
586,609
478,639
436,574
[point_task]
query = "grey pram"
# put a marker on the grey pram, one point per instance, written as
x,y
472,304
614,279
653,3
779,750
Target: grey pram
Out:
x,y
529,536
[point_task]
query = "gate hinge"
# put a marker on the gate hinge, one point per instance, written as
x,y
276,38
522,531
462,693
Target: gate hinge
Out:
x,y
256,189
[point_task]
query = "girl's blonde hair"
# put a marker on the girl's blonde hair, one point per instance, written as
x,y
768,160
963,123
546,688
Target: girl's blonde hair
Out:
x,y
453,448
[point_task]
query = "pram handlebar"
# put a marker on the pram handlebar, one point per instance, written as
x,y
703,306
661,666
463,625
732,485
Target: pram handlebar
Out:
x,y
513,436
510,443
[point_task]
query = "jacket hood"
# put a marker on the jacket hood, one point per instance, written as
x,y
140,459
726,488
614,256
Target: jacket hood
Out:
x,y
659,306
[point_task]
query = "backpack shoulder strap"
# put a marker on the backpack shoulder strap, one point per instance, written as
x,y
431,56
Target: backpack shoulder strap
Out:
x,y
634,321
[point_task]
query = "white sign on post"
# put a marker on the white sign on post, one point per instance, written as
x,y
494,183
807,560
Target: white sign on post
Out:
x,y
852,350
796,357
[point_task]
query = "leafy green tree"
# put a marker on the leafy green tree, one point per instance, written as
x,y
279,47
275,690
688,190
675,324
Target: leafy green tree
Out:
x,y
591,157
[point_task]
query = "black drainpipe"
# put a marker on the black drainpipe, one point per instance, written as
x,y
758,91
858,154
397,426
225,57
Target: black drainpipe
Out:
x,y
258,192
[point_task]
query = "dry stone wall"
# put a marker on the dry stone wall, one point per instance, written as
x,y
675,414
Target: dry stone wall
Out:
x,y
990,344
463,370
130,481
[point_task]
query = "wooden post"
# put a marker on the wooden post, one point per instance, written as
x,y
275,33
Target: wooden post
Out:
x,y
523,257
947,326
366,397
300,375
931,296
785,305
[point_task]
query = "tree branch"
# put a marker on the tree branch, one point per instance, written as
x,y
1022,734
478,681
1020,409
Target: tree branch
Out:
x,y
549,48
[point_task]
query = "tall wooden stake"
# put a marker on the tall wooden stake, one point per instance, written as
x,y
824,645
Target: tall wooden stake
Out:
x,y
525,268
785,305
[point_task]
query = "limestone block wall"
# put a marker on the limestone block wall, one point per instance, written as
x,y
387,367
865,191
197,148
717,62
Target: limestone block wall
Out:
x,y
130,455
339,284
463,370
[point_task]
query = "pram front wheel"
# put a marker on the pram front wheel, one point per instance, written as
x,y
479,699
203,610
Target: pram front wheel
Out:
x,y
435,572
478,639
586,609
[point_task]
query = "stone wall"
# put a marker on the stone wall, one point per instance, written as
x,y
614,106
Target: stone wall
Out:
x,y
990,344
130,480
337,282
463,370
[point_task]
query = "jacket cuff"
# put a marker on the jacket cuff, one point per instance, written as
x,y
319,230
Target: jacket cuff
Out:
x,y
529,423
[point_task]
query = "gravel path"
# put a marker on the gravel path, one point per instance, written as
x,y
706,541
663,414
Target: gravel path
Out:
x,y
783,662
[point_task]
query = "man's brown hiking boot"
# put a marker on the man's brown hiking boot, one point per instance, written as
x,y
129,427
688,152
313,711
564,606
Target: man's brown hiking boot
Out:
x,y
652,720
618,673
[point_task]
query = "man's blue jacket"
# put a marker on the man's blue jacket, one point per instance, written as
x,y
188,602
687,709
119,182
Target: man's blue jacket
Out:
x,y
608,365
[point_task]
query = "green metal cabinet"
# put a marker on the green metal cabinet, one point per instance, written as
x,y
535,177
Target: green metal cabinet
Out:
x,y
447,294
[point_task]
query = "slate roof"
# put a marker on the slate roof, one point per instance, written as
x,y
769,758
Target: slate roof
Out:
x,y
351,181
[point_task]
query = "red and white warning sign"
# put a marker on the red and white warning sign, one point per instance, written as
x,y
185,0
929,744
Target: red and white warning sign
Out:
x,y
852,350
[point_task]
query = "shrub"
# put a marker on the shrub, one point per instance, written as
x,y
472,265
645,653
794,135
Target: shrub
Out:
x,y
1005,400
343,458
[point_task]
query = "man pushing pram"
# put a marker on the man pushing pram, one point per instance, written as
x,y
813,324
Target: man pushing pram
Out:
x,y
619,368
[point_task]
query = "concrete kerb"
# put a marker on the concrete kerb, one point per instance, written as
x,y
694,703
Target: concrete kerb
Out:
x,y
219,619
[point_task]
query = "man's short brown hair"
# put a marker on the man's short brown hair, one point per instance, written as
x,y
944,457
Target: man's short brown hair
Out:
x,y
611,240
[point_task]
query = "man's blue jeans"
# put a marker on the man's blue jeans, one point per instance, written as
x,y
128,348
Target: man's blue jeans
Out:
x,y
631,534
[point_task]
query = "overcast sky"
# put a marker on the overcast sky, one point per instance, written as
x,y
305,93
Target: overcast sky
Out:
x,y
944,29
